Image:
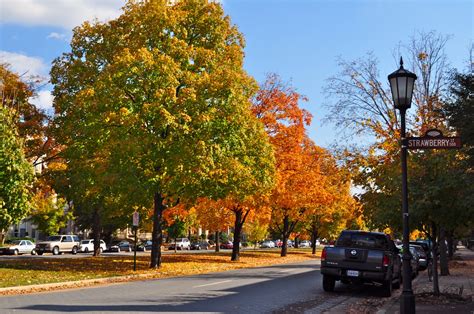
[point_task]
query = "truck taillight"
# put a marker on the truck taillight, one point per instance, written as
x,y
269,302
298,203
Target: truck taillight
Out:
x,y
386,261
323,255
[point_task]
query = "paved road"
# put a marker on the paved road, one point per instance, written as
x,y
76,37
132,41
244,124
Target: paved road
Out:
x,y
289,288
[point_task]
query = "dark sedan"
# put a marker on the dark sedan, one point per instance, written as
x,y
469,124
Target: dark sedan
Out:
x,y
200,245
120,246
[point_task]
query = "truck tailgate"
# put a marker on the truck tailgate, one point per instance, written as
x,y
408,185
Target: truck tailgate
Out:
x,y
354,258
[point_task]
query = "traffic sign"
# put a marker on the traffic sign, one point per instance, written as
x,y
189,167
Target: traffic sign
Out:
x,y
136,219
433,139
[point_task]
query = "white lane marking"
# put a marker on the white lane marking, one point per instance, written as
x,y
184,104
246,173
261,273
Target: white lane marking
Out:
x,y
211,284
286,270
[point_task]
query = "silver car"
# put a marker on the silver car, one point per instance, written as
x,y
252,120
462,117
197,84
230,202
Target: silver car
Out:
x,y
20,247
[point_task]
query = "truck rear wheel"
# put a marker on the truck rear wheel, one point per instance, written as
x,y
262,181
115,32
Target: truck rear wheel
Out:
x,y
328,283
387,288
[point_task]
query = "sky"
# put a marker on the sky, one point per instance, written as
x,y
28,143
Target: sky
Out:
x,y
298,39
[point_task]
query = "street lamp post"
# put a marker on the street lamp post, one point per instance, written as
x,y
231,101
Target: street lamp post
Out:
x,y
401,84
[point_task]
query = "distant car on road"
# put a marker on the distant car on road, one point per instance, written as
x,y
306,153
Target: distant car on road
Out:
x,y
267,245
58,244
227,245
16,247
120,246
181,244
145,246
305,243
88,246
201,245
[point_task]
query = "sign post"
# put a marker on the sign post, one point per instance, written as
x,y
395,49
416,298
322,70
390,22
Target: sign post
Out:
x,y
135,221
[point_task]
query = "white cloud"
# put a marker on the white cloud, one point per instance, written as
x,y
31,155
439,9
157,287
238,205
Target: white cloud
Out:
x,y
58,36
23,64
43,100
62,13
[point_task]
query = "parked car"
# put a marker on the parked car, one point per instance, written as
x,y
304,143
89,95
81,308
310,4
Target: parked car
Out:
x,y
16,247
181,244
88,246
360,256
425,244
201,245
227,245
267,245
145,245
120,246
422,257
58,244
305,243
278,243
414,260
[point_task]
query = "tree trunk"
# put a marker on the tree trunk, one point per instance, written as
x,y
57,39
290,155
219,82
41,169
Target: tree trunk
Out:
x,y
443,256
297,240
2,236
157,233
434,253
449,238
96,229
175,245
314,236
237,231
285,235
218,242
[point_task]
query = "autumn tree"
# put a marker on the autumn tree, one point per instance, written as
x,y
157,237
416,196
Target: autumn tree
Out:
x,y
48,212
162,89
363,103
15,94
298,180
16,174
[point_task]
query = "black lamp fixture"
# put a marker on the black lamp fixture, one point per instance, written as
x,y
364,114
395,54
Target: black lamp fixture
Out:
x,y
401,84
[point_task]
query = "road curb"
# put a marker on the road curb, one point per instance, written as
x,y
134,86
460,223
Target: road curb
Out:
x,y
18,290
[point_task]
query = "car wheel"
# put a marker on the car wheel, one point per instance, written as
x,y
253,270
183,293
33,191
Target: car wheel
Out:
x,y
101,250
86,250
387,288
74,250
129,249
55,250
40,253
15,252
328,283
118,250
33,252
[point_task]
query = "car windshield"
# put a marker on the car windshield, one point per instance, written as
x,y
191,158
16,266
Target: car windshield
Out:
x,y
54,238
15,242
362,240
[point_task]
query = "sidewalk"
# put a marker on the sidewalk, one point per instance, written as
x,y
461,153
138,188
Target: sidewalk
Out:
x,y
460,282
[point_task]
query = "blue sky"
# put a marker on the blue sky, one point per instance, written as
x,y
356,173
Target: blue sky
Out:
x,y
297,39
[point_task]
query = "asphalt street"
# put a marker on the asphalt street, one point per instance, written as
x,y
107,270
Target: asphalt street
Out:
x,y
288,288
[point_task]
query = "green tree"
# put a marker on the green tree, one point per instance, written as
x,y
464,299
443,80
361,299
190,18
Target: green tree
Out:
x,y
176,230
16,174
49,214
162,92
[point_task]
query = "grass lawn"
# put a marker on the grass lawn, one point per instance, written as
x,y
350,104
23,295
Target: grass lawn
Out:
x,y
20,272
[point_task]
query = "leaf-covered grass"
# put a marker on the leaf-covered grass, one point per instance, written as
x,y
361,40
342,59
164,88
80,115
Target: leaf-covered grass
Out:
x,y
20,272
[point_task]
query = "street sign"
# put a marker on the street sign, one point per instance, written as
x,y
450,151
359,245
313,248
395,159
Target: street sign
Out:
x,y
433,139
136,219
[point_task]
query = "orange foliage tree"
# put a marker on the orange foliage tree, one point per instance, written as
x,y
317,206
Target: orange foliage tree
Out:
x,y
299,183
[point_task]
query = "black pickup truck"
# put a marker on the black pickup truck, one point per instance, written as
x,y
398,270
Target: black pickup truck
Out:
x,y
360,256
